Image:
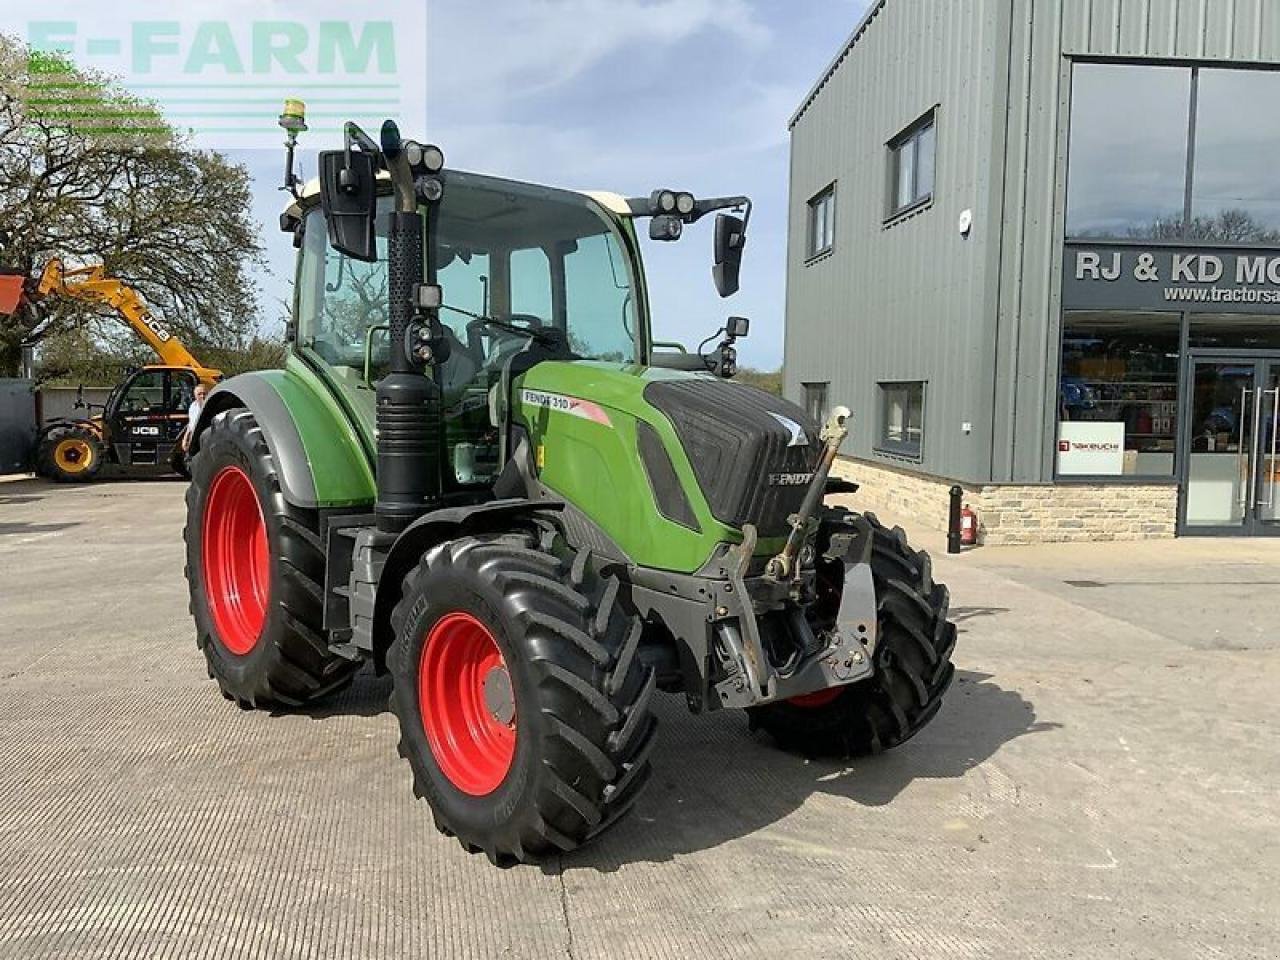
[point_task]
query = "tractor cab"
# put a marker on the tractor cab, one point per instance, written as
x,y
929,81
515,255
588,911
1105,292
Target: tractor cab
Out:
x,y
146,413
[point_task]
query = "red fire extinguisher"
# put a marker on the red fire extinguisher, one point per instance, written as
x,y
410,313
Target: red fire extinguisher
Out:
x,y
968,526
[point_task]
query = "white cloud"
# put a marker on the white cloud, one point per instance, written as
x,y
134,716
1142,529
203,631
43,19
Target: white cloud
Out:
x,y
527,47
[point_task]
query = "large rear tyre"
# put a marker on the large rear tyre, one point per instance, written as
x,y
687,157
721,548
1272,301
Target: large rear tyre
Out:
x,y
70,454
255,569
523,708
912,662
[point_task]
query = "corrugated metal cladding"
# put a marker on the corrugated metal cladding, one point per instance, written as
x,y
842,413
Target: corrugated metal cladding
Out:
x,y
978,319
903,301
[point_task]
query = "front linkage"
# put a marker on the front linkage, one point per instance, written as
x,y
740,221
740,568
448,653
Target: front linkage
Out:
x,y
730,622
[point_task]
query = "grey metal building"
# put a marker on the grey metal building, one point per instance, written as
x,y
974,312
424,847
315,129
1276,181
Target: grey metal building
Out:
x,y
1035,245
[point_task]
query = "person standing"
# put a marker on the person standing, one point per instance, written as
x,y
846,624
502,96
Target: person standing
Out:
x,y
193,414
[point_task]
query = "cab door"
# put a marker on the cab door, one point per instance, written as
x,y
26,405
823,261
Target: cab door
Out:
x,y
140,423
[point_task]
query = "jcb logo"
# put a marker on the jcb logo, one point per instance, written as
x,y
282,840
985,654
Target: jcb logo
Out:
x,y
153,325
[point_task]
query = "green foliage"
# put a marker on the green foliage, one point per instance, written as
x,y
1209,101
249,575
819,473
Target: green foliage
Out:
x,y
91,174
768,380
255,353
100,352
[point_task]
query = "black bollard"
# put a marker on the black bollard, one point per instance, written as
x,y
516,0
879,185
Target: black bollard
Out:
x,y
953,523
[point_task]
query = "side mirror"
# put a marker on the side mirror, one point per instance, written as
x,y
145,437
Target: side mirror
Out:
x,y
736,327
730,239
349,198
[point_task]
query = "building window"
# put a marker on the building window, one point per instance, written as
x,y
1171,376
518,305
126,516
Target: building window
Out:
x,y
912,162
902,419
1133,173
822,222
815,401
1235,193
1127,169
1118,396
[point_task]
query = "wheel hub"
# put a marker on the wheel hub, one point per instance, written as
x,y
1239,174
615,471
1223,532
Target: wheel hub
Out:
x,y
499,698
73,455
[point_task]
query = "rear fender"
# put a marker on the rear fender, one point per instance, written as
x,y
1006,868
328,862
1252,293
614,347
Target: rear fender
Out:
x,y
315,448
93,426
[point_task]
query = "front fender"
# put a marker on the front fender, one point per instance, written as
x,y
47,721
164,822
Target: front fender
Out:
x,y
317,451
429,530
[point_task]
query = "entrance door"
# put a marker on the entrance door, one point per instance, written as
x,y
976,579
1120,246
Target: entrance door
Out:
x,y
1233,465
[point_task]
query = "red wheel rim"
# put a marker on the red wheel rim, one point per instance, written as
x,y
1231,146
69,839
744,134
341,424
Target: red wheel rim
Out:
x,y
819,698
467,701
237,560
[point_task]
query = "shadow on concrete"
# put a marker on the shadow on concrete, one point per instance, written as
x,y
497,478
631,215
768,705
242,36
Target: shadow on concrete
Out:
x,y
963,614
30,529
6,501
366,696
713,782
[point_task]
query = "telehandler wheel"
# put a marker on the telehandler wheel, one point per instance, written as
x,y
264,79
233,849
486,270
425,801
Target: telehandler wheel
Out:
x,y
255,567
523,707
912,659
70,454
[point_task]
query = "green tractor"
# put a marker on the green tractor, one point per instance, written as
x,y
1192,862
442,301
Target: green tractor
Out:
x,y
476,472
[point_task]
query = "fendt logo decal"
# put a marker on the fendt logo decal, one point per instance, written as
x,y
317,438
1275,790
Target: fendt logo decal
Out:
x,y
573,406
790,479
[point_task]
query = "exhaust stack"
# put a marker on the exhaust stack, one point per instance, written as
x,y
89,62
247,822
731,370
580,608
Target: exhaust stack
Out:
x,y
408,402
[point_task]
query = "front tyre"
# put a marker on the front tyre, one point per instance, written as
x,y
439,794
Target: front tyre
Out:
x,y
70,454
255,570
523,708
912,661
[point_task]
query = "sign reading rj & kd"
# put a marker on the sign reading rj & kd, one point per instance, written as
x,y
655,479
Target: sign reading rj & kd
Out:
x,y
1209,279
223,81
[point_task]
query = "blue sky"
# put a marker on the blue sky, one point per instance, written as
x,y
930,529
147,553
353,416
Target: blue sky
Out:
x,y
625,95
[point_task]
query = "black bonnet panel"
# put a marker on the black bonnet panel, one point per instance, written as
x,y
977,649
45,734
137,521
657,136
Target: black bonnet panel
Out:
x,y
750,450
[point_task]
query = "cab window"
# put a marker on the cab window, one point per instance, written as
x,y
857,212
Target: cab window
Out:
x,y
145,393
342,303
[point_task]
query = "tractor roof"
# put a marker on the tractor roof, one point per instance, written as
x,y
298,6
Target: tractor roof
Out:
x,y
310,195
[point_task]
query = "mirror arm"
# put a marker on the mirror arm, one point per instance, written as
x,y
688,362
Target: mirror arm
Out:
x,y
353,134
712,204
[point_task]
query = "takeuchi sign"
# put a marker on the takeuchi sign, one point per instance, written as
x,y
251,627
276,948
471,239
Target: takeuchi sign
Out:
x,y
1209,279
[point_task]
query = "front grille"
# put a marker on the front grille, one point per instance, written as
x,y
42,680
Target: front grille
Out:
x,y
742,454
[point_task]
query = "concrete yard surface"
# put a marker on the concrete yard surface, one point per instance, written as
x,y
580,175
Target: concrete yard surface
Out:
x,y
1102,781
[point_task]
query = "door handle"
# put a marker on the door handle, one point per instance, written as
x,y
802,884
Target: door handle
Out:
x,y
1254,451
1244,454
1271,465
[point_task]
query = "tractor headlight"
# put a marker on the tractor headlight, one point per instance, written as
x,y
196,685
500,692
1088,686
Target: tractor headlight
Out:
x,y
664,201
684,203
432,158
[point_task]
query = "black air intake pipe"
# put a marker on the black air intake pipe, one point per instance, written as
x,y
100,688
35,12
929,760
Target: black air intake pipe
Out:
x,y
409,411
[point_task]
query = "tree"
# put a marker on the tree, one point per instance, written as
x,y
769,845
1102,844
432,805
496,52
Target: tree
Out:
x,y
89,174
1227,226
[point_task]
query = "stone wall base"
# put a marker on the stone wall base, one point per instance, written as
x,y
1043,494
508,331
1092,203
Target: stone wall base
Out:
x,y
1021,513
